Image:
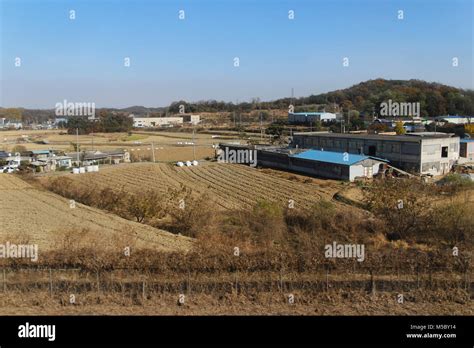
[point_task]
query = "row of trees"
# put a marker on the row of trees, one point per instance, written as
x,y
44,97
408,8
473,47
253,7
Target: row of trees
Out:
x,y
107,122
435,99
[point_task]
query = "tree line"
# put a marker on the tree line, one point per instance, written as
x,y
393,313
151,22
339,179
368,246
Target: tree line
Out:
x,y
435,99
107,122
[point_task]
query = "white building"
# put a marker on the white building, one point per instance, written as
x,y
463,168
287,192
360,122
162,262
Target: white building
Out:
x,y
421,153
150,122
13,124
456,119
193,119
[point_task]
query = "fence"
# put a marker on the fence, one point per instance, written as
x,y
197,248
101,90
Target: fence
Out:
x,y
149,282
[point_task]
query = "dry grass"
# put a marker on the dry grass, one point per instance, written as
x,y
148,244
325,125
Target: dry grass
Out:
x,y
338,302
39,216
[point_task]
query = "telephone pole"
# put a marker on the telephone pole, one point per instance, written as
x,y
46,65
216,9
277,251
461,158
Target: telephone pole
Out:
x,y
77,146
194,145
153,150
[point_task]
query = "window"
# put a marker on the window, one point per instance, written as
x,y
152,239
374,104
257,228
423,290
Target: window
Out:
x,y
444,152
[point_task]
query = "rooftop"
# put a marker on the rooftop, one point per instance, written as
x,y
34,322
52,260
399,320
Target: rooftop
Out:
x,y
40,152
414,137
456,116
331,157
309,113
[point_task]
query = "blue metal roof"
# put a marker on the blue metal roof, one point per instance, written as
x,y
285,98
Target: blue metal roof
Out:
x,y
40,152
331,157
467,140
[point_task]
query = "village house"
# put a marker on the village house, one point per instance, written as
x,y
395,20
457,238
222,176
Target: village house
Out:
x,y
99,157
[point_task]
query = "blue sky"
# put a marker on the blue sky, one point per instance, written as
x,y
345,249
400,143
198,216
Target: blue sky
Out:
x,y
82,60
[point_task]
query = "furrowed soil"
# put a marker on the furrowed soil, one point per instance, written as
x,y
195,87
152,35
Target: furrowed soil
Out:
x,y
38,216
229,186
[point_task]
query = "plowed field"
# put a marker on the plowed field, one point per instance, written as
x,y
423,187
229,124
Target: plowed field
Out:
x,y
227,185
40,215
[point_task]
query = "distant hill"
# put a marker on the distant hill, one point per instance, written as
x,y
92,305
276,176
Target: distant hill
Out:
x,y
435,100
141,110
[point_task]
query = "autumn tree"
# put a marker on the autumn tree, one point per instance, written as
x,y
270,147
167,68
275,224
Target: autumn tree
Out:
x,y
399,129
144,206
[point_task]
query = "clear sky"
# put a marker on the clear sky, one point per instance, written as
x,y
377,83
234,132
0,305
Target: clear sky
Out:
x,y
82,60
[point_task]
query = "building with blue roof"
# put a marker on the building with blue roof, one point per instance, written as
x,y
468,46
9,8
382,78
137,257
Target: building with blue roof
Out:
x,y
425,153
324,164
331,157
335,165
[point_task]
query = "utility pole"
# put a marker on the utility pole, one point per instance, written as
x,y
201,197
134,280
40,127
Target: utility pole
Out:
x,y
240,116
77,146
153,150
349,118
194,145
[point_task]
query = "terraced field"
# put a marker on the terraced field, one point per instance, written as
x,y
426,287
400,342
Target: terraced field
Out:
x,y
228,185
41,216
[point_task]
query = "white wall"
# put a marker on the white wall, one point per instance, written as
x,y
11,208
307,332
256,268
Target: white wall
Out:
x,y
431,153
357,170
155,121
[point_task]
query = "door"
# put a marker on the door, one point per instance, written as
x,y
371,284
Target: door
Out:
x,y
372,150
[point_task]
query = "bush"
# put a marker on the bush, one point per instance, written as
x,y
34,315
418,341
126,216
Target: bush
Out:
x,y
454,183
402,203
19,148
